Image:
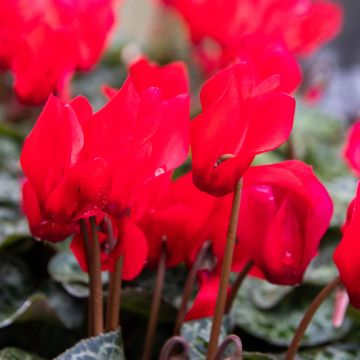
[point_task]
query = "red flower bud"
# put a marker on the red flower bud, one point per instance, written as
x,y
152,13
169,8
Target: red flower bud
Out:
x,y
284,213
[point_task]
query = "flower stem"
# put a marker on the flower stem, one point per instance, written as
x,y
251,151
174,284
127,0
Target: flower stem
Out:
x,y
237,354
170,347
236,285
324,293
225,273
113,305
155,305
85,235
189,285
96,295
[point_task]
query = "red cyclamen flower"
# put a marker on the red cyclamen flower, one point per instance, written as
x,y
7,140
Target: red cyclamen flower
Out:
x,y
44,42
346,256
60,187
142,131
217,30
295,211
284,213
78,163
242,115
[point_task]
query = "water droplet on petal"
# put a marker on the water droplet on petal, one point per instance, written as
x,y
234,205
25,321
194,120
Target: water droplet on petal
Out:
x,y
159,171
288,258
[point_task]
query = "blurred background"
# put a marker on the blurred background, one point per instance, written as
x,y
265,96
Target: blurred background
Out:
x,y
159,32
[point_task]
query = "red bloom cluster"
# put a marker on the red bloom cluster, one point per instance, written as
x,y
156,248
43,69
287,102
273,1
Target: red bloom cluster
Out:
x,y
44,41
116,164
87,164
294,209
217,28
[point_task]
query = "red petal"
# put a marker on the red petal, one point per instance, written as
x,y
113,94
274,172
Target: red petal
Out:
x,y
133,247
171,79
346,256
52,146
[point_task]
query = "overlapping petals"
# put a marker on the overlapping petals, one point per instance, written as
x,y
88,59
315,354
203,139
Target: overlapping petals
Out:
x,y
141,132
61,186
78,163
295,211
241,117
164,221
217,30
44,42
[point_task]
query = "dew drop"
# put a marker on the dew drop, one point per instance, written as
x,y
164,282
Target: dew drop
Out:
x,y
288,258
159,171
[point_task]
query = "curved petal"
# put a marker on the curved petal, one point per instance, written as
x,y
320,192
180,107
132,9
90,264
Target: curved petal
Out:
x,y
171,79
53,145
346,256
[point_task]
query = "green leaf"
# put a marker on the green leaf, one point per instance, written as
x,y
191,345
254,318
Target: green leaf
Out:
x,y
15,288
324,140
342,190
64,268
257,356
13,228
10,190
266,295
277,326
36,307
322,269
267,158
9,158
18,303
333,352
175,279
139,301
12,353
69,309
103,347
197,334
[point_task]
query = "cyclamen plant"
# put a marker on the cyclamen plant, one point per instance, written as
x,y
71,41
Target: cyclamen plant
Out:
x,y
106,178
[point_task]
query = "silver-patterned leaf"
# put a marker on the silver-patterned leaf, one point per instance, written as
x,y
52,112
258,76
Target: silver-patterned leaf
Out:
x,y
277,325
11,353
197,333
103,347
